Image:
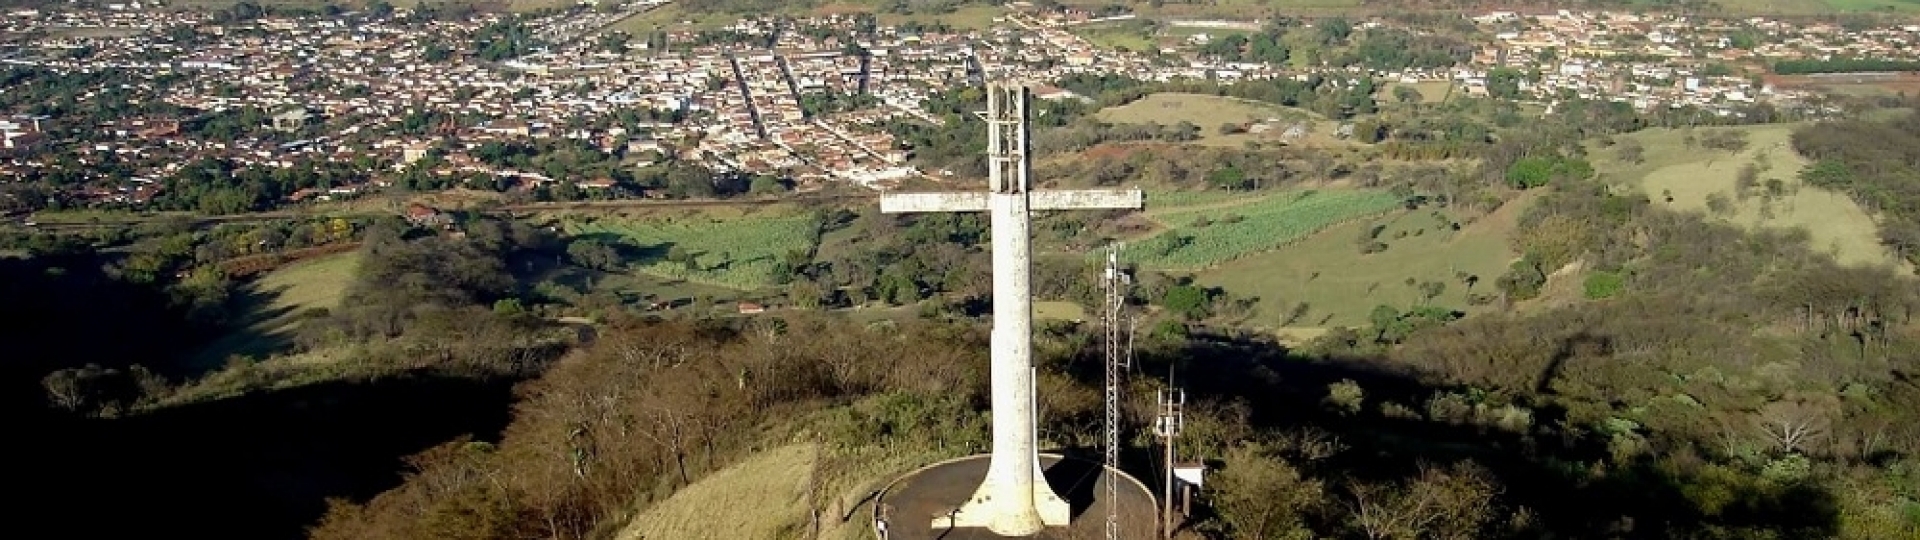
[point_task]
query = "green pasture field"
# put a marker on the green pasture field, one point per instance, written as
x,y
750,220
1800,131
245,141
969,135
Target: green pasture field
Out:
x,y
1200,237
275,303
1340,286
733,252
1690,175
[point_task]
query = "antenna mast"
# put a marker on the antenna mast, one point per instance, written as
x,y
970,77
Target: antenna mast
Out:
x,y
1115,283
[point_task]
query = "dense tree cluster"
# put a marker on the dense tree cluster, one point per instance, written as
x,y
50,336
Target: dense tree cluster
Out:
x,y
1396,49
409,275
1879,165
220,186
1843,65
505,40
653,407
820,103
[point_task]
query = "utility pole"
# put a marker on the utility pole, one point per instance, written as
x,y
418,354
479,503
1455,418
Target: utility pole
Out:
x,y
1173,401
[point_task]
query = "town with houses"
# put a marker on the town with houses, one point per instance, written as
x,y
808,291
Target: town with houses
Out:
x,y
737,99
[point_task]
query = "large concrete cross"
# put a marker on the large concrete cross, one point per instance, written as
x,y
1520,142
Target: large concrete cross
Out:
x,y
1015,499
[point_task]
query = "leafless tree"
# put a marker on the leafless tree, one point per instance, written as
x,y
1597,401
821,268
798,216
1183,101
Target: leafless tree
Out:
x,y
1439,503
1796,423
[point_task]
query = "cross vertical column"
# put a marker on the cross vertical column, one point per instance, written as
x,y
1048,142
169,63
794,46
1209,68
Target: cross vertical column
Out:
x,y
1014,498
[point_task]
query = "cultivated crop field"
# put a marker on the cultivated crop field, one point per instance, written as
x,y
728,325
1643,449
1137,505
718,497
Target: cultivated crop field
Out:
x,y
1203,237
738,253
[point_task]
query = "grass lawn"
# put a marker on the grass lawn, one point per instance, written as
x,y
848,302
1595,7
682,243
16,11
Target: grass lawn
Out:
x,y
1690,175
274,303
1210,112
736,252
1340,286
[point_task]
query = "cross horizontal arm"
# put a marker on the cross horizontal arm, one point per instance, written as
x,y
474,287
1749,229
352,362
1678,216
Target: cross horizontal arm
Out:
x,y
1085,199
975,201
906,203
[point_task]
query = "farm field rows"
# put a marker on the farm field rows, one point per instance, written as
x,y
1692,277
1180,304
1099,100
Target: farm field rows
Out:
x,y
1203,237
738,253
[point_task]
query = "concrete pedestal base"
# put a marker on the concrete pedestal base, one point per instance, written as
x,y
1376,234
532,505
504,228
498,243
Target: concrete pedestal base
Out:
x,y
923,505
1010,518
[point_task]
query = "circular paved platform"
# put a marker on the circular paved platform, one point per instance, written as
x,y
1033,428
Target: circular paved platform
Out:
x,y
911,502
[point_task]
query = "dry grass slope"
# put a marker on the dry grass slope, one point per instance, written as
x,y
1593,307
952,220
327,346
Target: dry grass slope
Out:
x,y
314,283
1209,112
1340,286
280,298
1691,175
762,497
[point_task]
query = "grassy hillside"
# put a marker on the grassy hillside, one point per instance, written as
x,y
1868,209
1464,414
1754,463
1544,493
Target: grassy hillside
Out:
x,y
1691,177
761,497
1209,112
1325,280
276,302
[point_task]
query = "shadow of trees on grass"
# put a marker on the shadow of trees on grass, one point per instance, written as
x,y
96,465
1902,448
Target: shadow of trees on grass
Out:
x,y
1551,479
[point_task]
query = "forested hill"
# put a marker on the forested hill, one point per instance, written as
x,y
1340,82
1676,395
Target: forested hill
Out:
x,y
1728,384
